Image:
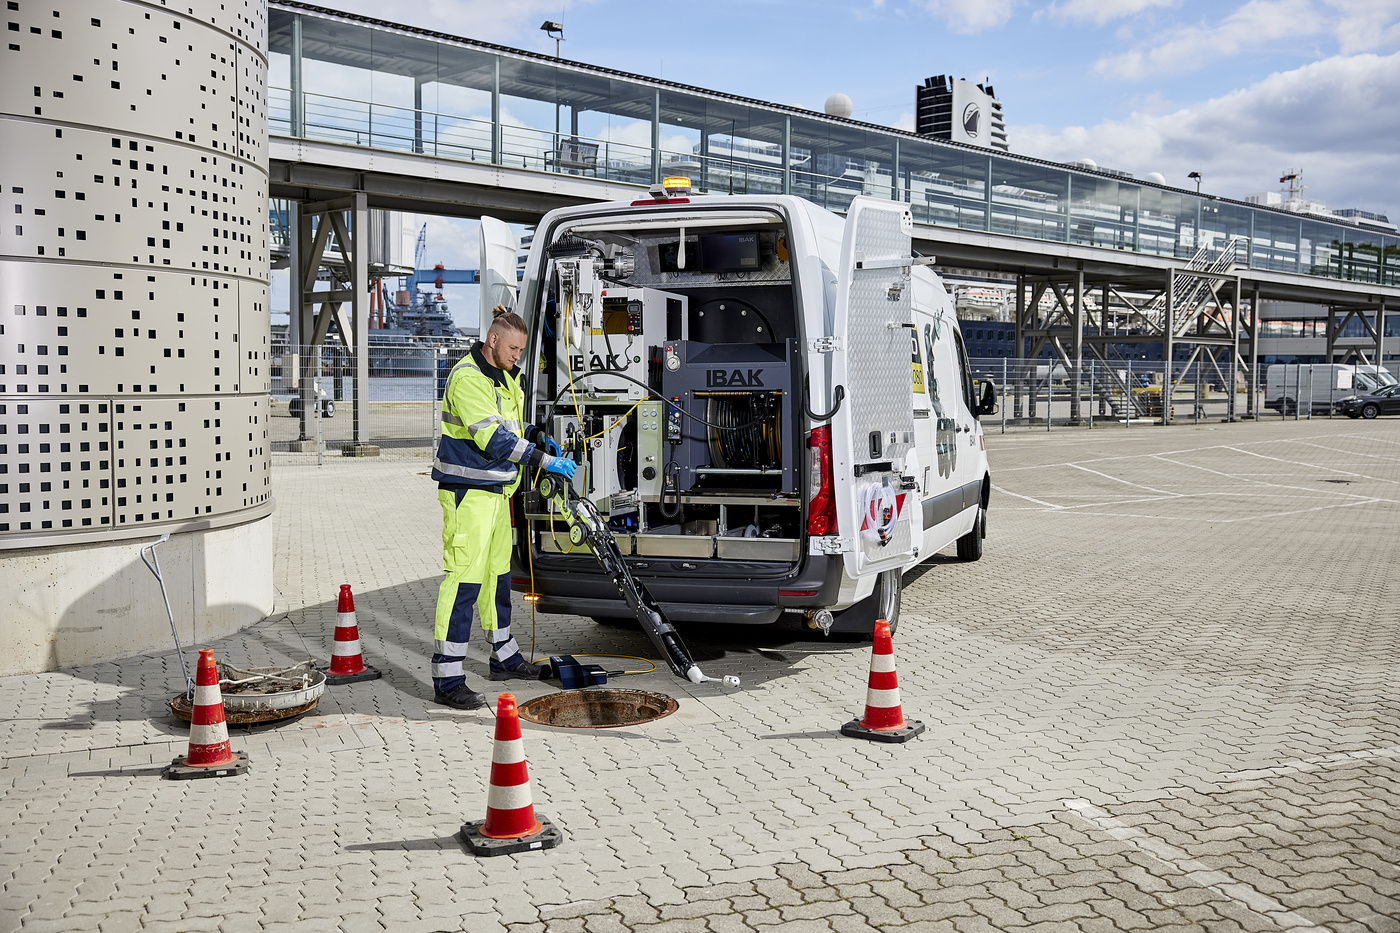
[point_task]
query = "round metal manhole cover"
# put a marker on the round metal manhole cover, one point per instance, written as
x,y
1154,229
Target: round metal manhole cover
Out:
x,y
597,709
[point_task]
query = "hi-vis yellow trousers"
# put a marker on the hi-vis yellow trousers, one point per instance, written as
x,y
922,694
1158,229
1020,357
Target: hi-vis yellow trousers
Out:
x,y
476,541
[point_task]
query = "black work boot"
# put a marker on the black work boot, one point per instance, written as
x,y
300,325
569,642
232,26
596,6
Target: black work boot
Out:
x,y
520,669
460,697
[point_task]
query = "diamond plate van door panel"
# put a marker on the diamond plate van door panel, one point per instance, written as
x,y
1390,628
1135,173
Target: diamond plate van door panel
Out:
x,y
878,316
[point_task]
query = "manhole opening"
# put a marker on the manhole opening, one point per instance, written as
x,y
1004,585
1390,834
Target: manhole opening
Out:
x,y
597,709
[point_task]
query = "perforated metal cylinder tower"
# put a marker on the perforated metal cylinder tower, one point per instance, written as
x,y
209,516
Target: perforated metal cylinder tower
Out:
x,y
134,323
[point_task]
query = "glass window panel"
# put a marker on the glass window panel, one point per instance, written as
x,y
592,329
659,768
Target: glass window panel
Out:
x,y
1029,200
831,163
1103,212
337,83
611,122
1321,249
457,104
1167,223
534,115
1390,254
1275,242
737,148
279,71
944,185
1220,222
1361,256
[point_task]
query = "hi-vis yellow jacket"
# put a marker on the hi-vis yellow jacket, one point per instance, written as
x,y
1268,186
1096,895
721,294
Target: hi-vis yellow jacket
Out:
x,y
483,441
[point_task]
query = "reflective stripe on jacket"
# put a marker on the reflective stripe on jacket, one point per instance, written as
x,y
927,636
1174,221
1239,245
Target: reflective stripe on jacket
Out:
x,y
483,440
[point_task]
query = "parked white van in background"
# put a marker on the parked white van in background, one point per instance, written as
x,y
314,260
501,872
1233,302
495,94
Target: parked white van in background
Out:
x,y
1317,387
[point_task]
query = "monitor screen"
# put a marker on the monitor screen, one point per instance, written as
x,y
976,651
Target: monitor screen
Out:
x,y
729,252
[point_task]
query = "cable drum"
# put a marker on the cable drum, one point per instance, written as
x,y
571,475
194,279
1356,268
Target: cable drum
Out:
x,y
745,430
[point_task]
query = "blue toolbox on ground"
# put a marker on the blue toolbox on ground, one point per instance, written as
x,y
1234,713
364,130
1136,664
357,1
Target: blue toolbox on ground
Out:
x,y
571,674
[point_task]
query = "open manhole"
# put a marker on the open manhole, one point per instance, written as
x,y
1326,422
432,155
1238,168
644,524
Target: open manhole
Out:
x,y
597,709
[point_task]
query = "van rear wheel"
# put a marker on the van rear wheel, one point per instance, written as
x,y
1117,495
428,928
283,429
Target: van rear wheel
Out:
x,y
887,596
883,603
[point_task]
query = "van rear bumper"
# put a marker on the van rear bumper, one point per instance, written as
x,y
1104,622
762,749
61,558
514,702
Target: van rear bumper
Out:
x,y
718,595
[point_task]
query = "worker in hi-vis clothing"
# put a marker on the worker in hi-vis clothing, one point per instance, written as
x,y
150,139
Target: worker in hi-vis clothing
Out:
x,y
483,446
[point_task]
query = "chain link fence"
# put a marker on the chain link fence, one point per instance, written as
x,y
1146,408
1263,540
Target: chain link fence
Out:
x,y
1047,394
406,380
403,391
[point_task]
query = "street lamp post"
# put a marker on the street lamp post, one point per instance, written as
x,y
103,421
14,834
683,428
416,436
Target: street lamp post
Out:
x,y
1197,177
549,27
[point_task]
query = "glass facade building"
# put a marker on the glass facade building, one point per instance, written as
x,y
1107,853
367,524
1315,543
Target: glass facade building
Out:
x,y
357,81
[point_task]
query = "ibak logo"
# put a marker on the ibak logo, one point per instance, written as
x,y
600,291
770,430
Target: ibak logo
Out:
x,y
715,378
611,363
971,117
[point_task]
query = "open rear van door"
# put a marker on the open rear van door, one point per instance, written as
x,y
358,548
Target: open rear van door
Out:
x,y
496,267
874,430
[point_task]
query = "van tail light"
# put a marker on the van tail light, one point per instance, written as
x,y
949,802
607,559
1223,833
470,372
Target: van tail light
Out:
x,y
821,500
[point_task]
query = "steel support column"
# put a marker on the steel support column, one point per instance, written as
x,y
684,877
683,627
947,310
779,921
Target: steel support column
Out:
x,y
1168,346
417,114
656,137
348,276
1252,400
1077,347
787,154
1380,332
298,97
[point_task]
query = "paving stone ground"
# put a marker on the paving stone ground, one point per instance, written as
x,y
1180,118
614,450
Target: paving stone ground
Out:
x,y
1168,698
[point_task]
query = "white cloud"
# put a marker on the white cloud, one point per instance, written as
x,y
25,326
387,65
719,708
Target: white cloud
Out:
x,y
1099,12
1192,47
1365,25
906,121
1356,25
970,16
1337,119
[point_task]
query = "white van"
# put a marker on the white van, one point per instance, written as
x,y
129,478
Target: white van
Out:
x,y
770,404
1317,387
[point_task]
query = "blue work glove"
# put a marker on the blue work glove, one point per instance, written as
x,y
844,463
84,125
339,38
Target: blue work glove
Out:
x,y
563,466
551,447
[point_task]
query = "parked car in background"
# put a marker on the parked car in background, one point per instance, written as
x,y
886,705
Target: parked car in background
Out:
x,y
1382,401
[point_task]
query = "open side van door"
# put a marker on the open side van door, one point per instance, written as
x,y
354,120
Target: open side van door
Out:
x,y
874,431
496,268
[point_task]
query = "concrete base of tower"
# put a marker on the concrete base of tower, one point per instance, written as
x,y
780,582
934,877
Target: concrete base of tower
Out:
x,y
69,606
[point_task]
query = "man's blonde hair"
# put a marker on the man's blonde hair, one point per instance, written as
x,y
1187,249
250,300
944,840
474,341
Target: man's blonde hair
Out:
x,y
504,319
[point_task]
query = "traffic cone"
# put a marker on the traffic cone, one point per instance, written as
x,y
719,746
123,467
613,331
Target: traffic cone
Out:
x,y
210,754
510,825
347,664
884,717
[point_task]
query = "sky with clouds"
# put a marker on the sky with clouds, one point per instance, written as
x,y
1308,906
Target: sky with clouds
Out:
x,y
1238,91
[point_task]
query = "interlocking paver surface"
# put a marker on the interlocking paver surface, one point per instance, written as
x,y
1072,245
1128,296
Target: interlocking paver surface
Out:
x,y
1168,698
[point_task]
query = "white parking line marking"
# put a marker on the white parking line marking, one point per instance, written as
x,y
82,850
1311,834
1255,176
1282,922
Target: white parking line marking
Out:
x,y
1316,763
1198,872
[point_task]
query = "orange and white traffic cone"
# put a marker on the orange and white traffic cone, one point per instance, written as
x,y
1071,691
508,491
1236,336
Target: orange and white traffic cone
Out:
x,y
210,754
510,825
884,716
347,663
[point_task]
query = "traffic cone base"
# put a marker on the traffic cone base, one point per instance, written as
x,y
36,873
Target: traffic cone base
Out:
x,y
347,663
179,771
369,673
548,837
911,728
